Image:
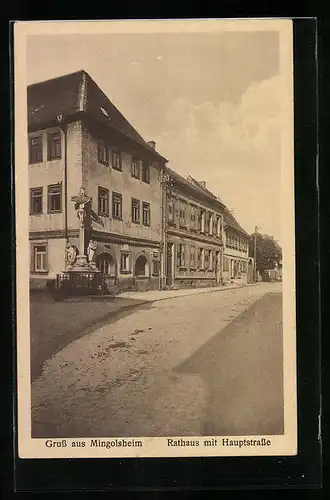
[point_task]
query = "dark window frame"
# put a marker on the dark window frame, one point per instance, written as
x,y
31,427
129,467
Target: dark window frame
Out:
x,y
146,205
117,153
117,198
52,150
34,246
127,254
102,147
105,196
32,198
50,195
34,148
171,210
183,214
145,167
135,168
155,267
135,203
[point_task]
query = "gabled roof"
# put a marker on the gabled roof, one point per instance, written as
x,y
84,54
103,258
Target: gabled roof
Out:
x,y
204,188
197,187
78,93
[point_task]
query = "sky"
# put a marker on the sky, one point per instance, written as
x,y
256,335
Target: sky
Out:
x,y
210,101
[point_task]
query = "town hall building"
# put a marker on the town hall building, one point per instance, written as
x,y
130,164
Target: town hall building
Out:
x,y
78,138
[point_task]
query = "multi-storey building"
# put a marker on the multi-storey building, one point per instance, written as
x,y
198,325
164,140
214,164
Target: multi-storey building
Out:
x,y
205,245
78,138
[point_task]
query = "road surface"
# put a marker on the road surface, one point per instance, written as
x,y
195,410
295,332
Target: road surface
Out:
x,y
208,364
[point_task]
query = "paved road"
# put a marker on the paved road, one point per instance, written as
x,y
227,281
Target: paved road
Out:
x,y
205,364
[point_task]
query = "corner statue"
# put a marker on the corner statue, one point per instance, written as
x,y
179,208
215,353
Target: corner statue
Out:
x,y
71,254
83,207
83,262
91,249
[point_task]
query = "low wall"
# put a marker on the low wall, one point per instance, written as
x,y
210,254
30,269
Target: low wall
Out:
x,y
194,282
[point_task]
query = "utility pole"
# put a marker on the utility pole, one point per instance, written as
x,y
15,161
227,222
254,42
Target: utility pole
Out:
x,y
255,253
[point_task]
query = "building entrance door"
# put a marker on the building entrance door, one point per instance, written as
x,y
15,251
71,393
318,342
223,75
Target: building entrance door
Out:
x,y
169,264
217,267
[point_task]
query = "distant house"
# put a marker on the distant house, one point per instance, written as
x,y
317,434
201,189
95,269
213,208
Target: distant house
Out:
x,y
205,245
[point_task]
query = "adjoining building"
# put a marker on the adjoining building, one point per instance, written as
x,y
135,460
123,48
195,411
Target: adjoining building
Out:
x,y
205,245
237,266
78,138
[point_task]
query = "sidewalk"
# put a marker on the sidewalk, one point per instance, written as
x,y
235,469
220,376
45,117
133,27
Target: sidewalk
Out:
x,y
155,295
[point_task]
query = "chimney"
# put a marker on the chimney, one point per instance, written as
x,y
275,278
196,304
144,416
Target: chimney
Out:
x,y
152,144
202,183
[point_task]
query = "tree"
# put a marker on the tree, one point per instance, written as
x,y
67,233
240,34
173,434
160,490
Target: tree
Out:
x,y
269,252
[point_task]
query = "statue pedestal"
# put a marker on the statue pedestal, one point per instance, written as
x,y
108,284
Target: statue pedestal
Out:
x,y
82,265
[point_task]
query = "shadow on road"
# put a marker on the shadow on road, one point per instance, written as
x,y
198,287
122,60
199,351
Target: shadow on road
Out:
x,y
54,325
242,371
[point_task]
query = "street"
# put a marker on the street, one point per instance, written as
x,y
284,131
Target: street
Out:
x,y
205,364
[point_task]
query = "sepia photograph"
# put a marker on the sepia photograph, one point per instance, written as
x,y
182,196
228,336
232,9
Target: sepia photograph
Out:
x,y
154,181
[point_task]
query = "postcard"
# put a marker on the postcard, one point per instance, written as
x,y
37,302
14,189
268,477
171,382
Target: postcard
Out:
x,y
154,184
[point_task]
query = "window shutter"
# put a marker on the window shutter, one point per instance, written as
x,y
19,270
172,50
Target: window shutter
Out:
x,y
46,257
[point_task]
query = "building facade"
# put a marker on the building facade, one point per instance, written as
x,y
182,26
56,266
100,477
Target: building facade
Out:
x,y
237,266
205,246
77,138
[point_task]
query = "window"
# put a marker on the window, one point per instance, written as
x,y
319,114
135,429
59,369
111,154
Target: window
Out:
x,y
211,260
125,262
200,220
106,265
117,204
214,225
55,198
171,210
200,258
116,160
181,255
206,222
54,146
135,211
146,172
145,213
36,201
102,153
182,214
192,257
193,219
226,264
206,259
103,201
219,226
155,267
135,169
39,258
35,149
